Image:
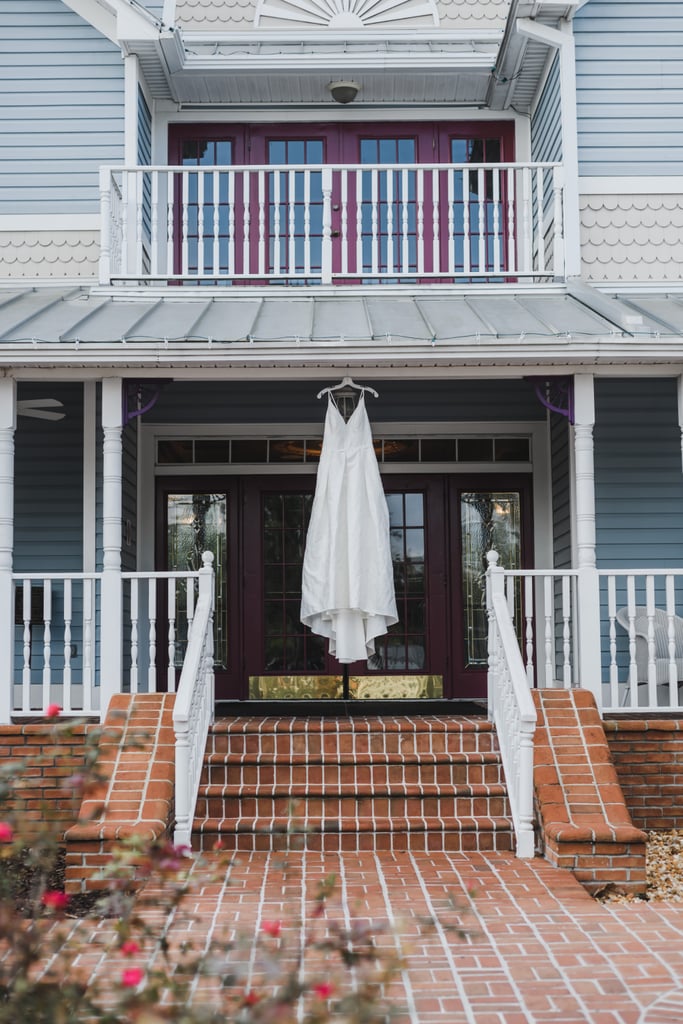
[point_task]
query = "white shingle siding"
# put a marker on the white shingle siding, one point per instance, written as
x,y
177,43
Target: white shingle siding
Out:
x,y
61,108
219,15
630,87
632,237
57,255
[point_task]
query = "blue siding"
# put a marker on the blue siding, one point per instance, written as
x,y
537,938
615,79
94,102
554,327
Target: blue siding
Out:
x,y
61,108
630,87
408,401
48,496
144,130
546,123
560,471
638,476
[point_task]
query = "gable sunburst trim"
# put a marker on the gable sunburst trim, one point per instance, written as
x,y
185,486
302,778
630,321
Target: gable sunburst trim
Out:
x,y
347,14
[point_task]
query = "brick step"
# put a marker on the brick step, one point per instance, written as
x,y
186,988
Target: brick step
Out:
x,y
335,834
325,736
360,783
442,801
459,768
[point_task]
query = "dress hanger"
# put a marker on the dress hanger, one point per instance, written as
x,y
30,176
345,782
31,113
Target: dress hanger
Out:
x,y
347,382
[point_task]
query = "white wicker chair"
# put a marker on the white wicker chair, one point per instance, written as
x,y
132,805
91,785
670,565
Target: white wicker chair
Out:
x,y
660,621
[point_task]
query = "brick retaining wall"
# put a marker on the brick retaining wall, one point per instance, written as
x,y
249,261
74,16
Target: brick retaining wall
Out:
x,y
648,757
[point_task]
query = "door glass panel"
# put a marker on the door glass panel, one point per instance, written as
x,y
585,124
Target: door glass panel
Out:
x,y
478,205
197,523
403,649
490,520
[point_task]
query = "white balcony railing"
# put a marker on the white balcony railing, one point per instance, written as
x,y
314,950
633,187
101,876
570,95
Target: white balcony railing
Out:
x,y
58,637
331,224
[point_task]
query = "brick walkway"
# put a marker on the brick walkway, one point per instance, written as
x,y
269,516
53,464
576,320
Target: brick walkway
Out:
x,y
541,950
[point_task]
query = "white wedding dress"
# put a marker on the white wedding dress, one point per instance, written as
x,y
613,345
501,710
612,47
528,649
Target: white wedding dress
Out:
x,y
348,583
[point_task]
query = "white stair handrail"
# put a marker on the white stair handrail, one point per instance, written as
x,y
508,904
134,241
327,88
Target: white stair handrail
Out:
x,y
511,708
194,705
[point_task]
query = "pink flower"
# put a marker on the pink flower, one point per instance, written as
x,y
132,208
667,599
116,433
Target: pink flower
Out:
x,y
272,928
6,832
130,947
132,976
53,711
324,989
54,899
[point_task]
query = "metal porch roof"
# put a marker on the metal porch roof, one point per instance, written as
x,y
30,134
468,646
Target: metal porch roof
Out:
x,y
92,316
171,329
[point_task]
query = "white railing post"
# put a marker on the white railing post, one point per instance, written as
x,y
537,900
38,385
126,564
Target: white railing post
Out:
x,y
105,225
8,412
111,647
588,597
559,272
326,245
495,585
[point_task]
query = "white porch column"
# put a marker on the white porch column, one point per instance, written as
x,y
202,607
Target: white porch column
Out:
x,y
8,422
588,626
111,645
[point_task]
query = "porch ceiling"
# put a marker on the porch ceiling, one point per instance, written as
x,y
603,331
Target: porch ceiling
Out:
x,y
81,326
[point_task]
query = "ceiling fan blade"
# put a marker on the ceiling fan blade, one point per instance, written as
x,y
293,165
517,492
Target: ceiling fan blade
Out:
x,y
41,414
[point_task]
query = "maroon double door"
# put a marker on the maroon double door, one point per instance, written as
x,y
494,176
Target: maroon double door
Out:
x,y
441,527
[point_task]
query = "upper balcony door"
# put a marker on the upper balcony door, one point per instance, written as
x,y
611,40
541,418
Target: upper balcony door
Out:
x,y
385,215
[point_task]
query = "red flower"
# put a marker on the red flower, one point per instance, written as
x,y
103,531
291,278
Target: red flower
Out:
x,y
132,976
54,899
53,711
272,928
251,998
130,947
324,989
6,832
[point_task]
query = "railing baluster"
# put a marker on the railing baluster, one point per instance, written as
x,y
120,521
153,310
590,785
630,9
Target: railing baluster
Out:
x,y
671,630
152,617
566,633
125,213
154,222
392,238
139,192
185,215
651,653
465,221
26,672
89,603
528,627
451,203
375,261
419,220
436,219
231,199
246,222
481,219
360,198
612,617
633,667
170,222
274,205
405,246
540,219
291,231
527,262
134,636
496,240
344,226
216,223
47,642
326,252
261,178
171,612
558,227
548,616
66,677
512,242
307,226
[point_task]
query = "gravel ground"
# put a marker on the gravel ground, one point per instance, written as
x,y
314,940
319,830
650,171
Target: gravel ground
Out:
x,y
664,870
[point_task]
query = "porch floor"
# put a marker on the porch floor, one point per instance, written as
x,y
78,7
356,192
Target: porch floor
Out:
x,y
541,948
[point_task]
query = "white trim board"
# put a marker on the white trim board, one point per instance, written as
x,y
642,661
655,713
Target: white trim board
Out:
x,y
650,186
50,222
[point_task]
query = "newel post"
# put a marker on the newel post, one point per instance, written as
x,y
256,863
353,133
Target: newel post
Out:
x,y
495,584
588,604
8,420
111,647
